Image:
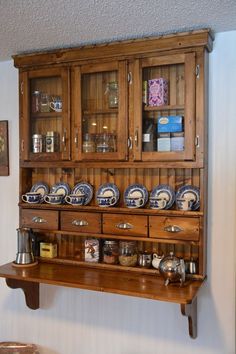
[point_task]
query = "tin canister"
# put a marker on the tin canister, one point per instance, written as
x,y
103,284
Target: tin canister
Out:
x,y
37,143
51,141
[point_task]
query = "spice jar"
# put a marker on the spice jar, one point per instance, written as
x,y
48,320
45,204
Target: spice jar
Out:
x,y
112,91
110,252
51,141
128,254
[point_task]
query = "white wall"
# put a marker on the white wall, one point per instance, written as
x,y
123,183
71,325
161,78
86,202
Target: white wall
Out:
x,y
82,322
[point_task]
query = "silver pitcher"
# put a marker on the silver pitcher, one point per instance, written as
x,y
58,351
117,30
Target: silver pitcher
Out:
x,y
24,246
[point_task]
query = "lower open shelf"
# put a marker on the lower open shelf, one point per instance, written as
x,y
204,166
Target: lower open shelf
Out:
x,y
123,283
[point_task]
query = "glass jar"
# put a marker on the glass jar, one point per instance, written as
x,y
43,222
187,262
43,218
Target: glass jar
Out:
x,y
128,253
103,143
112,91
88,143
111,252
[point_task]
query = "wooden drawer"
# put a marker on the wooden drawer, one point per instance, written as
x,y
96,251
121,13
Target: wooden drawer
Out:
x,y
119,224
177,228
80,221
39,219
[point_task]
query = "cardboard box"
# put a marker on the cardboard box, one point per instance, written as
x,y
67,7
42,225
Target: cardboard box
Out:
x,y
158,92
48,250
163,142
170,124
177,142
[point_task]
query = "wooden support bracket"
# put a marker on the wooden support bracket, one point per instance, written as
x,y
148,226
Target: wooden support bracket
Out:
x,y
190,310
31,291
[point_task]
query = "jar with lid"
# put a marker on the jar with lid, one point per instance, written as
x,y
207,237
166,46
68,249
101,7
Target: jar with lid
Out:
x,y
128,253
88,143
112,92
35,102
110,252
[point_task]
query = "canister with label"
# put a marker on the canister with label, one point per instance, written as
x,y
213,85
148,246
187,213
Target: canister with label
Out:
x,y
37,143
51,141
91,250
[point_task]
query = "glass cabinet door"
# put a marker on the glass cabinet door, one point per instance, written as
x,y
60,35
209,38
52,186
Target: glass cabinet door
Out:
x,y
100,112
45,127
164,109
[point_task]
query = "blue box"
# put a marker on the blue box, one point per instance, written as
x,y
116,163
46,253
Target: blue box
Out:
x,y
170,124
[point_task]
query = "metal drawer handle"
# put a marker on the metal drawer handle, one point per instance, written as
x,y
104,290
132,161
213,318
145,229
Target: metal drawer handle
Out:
x,y
80,223
124,226
173,228
39,220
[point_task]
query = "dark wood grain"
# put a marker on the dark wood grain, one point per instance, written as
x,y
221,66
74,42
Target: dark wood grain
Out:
x,y
125,283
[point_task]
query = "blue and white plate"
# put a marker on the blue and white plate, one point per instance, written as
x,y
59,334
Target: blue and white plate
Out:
x,y
108,190
60,188
84,188
166,192
41,188
136,191
190,193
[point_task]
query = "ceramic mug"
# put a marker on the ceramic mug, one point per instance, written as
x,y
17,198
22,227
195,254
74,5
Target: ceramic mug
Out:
x,y
54,198
105,201
31,197
184,204
75,199
56,104
134,202
157,203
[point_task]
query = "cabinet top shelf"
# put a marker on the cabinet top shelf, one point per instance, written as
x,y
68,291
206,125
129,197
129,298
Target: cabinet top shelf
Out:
x,y
164,108
127,283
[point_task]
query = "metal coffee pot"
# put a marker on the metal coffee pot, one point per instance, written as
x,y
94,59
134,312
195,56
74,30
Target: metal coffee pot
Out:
x,y
172,269
24,246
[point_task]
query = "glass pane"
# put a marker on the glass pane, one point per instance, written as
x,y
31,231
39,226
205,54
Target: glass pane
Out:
x,y
100,101
163,108
45,114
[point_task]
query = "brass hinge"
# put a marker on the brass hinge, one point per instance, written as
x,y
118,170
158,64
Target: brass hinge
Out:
x,y
197,72
22,145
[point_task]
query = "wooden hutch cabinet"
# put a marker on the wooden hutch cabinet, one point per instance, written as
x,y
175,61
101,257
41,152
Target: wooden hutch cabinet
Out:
x,y
103,95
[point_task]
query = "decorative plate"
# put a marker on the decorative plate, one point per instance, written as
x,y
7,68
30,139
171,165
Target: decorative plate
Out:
x,y
136,191
60,188
166,192
190,193
84,188
41,188
108,190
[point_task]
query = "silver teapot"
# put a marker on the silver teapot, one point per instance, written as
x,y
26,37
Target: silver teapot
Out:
x,y
172,269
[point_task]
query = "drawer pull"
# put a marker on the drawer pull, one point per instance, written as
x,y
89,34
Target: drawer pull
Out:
x,y
80,223
39,220
173,228
124,226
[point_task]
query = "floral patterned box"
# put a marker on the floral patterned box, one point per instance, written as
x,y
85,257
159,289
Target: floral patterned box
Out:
x,y
157,92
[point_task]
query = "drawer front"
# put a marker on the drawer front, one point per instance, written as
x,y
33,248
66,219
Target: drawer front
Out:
x,y
80,221
177,228
133,225
40,219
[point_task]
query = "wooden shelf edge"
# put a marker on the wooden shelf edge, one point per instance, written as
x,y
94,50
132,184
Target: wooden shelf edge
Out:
x,y
131,284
